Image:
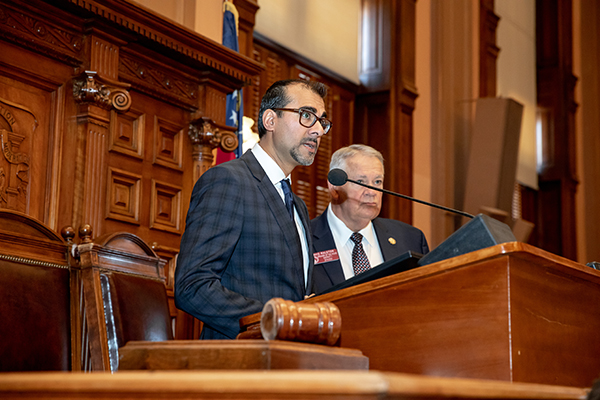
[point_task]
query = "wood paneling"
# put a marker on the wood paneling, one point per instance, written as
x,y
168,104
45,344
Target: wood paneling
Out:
x,y
488,51
386,101
555,224
97,107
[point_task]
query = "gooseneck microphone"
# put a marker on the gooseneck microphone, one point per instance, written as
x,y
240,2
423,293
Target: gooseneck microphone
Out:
x,y
338,177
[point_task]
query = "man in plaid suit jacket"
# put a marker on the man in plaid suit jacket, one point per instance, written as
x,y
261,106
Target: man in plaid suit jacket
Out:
x,y
241,246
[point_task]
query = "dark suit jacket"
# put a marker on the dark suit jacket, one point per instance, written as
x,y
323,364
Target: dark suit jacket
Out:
x,y
406,236
239,249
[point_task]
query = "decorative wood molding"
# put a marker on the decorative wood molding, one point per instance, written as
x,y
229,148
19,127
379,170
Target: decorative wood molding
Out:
x,y
169,254
165,208
152,30
127,133
33,31
102,92
158,81
104,55
14,177
168,144
206,136
94,183
123,202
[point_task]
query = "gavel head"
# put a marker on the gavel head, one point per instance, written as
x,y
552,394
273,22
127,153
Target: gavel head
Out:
x,y
319,323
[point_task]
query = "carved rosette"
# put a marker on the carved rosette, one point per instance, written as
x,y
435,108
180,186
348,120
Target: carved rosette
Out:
x,y
206,136
91,88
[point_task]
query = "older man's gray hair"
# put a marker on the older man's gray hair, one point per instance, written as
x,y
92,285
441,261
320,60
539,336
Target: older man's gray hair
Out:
x,y
338,159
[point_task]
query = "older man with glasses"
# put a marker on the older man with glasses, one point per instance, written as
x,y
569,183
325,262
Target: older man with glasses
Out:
x,y
247,236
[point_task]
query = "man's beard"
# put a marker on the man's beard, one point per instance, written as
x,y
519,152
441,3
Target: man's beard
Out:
x,y
304,160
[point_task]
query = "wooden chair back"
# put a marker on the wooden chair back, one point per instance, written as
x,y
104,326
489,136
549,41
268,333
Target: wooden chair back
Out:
x,y
125,295
38,330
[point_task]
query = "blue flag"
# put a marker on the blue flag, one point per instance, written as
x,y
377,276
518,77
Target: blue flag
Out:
x,y
235,109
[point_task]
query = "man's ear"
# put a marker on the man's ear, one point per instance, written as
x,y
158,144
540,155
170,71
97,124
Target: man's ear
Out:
x,y
333,192
269,119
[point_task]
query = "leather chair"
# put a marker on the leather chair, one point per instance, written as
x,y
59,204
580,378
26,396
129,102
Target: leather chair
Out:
x,y
38,323
125,295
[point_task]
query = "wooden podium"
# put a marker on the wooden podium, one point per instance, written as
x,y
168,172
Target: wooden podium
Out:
x,y
509,312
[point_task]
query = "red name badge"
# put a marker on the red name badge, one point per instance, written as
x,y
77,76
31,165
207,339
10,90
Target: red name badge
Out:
x,y
326,256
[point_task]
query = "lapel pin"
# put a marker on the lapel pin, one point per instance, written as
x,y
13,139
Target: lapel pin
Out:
x,y
392,240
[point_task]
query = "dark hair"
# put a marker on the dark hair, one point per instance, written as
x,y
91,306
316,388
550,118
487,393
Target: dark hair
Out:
x,y
276,96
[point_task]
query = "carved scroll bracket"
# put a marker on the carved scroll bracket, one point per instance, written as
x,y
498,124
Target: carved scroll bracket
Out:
x,y
206,136
106,93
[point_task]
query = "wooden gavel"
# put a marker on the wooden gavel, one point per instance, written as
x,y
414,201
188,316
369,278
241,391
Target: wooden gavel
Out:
x,y
319,322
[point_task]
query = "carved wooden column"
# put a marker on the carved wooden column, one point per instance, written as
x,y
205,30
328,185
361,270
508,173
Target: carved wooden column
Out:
x,y
96,96
205,137
97,91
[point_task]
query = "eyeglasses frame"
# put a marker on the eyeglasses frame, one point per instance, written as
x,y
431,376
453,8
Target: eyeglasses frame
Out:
x,y
300,110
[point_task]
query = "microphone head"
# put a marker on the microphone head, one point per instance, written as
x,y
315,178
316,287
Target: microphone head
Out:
x,y
337,177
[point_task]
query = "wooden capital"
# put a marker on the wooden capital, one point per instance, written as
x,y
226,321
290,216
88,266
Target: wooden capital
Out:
x,y
319,323
206,136
103,92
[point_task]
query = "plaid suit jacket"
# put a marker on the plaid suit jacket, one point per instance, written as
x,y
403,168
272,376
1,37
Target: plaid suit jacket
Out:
x,y
405,237
239,248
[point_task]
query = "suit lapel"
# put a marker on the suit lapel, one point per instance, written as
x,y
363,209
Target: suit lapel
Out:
x,y
323,240
387,241
280,213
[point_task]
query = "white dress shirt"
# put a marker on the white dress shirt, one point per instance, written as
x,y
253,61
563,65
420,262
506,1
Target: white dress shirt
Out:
x,y
341,236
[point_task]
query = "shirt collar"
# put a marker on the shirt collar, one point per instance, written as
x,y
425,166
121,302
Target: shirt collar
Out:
x,y
273,171
341,231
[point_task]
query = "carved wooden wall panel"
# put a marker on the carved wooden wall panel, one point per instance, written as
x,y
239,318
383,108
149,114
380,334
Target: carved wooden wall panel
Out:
x,y
127,133
30,114
168,144
161,166
123,196
165,208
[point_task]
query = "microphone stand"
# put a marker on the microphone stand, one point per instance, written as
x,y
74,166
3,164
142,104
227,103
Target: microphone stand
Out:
x,y
465,214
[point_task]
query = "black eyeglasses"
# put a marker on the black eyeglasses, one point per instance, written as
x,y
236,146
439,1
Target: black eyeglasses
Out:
x,y
309,118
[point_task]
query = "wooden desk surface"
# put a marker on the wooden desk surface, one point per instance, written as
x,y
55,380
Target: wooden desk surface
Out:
x,y
269,385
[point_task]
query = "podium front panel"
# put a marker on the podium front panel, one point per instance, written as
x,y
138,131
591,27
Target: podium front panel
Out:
x,y
509,312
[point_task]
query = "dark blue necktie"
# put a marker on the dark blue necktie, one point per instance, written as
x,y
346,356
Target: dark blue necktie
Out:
x,y
289,198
